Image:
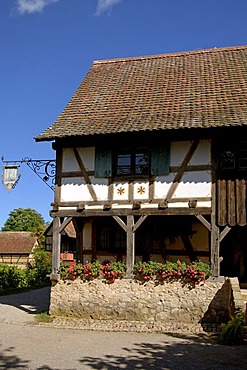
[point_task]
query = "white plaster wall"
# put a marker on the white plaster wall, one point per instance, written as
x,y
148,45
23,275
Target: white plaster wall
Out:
x,y
162,185
194,184
75,189
179,150
69,162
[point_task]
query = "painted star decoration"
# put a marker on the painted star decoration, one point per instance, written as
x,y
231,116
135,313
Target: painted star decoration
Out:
x,y
141,190
120,191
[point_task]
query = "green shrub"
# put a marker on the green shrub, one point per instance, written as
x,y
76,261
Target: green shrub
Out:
x,y
42,261
233,332
11,277
33,278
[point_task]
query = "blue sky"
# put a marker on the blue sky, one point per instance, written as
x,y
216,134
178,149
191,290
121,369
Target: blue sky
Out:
x,y
47,47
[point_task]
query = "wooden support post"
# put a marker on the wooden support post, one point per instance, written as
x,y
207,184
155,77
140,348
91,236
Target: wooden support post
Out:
x,y
56,247
215,234
130,254
215,250
78,224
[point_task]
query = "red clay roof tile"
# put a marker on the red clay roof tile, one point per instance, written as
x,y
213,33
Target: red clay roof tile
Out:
x,y
17,242
204,88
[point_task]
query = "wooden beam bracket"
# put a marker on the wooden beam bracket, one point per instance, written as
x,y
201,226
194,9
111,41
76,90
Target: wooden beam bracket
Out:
x,y
192,203
163,205
107,207
80,207
136,205
204,221
224,232
64,224
55,206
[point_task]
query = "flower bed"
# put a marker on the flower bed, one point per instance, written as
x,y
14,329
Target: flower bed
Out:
x,y
194,273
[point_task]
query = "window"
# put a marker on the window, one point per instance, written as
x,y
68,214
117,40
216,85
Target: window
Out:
x,y
227,159
110,237
132,162
233,157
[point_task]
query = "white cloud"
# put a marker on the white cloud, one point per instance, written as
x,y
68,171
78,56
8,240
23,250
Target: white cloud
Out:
x,y
105,6
32,6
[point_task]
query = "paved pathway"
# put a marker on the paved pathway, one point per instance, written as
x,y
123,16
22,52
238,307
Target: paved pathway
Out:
x,y
23,307
26,345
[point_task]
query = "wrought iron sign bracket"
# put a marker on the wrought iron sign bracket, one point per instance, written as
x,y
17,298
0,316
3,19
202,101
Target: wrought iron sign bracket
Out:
x,y
45,169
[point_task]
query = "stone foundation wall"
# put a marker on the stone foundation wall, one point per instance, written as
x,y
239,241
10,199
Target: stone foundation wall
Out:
x,y
209,303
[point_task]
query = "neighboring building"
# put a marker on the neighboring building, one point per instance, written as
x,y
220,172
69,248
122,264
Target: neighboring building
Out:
x,y
16,248
68,241
151,160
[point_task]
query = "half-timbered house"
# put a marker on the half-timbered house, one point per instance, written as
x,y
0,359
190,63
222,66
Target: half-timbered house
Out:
x,y
17,247
151,160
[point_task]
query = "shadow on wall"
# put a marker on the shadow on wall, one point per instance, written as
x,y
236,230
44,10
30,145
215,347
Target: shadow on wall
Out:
x,y
220,309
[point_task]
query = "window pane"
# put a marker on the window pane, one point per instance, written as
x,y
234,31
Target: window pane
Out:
x,y
124,170
141,159
243,159
141,163
227,159
131,162
124,160
104,238
141,170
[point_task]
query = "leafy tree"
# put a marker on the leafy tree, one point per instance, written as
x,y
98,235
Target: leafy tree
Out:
x,y
26,219
23,219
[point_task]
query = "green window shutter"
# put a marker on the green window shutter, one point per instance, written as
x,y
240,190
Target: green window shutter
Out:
x,y
160,160
103,162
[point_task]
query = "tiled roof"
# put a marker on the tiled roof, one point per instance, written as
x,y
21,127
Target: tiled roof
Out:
x,y
204,88
16,242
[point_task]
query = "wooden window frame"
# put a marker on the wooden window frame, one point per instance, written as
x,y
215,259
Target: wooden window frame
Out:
x,y
134,169
236,153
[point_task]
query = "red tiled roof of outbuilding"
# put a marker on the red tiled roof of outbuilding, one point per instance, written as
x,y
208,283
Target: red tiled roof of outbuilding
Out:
x,y
197,89
17,242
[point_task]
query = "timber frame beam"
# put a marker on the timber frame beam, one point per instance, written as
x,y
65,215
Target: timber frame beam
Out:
x,y
130,229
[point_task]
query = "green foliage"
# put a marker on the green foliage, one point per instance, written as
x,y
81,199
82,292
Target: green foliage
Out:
x,y
26,219
112,271
198,271
146,270
143,271
11,277
195,272
73,270
233,332
42,263
91,271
